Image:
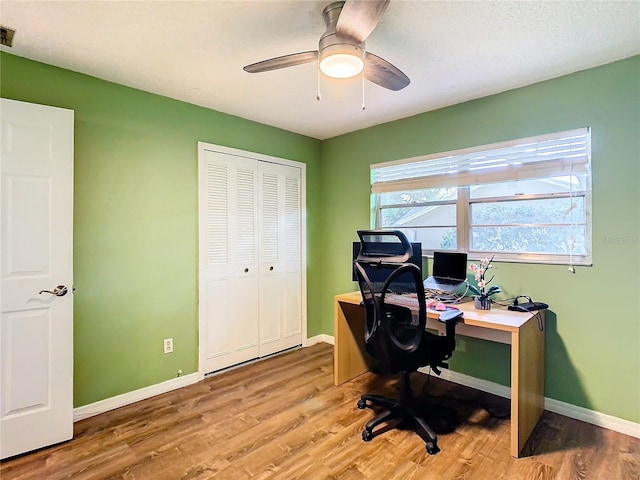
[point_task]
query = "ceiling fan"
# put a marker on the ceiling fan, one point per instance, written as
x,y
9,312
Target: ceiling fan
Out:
x,y
341,50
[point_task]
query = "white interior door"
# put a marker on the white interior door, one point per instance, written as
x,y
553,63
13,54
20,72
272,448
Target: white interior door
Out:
x,y
228,259
36,231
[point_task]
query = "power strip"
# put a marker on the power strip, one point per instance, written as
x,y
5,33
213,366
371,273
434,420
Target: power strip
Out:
x,y
528,306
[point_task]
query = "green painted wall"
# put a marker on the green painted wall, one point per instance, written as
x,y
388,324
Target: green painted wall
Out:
x,y
135,226
593,329
135,220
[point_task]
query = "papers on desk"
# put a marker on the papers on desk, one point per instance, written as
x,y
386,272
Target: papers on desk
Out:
x,y
411,301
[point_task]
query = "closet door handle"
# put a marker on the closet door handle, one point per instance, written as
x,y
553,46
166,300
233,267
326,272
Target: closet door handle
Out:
x,y
246,270
271,267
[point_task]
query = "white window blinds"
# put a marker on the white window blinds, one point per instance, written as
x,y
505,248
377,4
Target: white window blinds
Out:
x,y
552,155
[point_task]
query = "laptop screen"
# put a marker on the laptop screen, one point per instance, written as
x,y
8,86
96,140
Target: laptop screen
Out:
x,y
450,265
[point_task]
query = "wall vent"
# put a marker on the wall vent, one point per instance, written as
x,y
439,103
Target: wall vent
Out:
x,y
6,35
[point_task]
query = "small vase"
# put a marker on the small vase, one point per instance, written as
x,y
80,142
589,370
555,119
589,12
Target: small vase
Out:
x,y
482,303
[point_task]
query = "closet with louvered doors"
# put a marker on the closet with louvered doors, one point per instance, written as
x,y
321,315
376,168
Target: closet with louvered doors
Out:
x,y
251,256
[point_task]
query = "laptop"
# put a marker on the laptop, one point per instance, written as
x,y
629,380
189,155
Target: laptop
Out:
x,y
449,271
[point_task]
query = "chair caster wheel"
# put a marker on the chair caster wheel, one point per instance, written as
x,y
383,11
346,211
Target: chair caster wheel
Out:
x,y
367,435
432,448
362,404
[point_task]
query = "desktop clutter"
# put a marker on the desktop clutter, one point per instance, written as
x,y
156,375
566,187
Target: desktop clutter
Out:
x,y
388,269
448,283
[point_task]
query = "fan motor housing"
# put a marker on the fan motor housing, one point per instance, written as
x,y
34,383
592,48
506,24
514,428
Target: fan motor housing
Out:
x,y
331,14
330,42
339,47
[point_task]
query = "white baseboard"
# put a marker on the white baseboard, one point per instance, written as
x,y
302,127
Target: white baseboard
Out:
x,y
595,418
118,401
573,411
473,382
568,410
322,338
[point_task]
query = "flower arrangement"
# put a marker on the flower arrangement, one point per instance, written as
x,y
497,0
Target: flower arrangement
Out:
x,y
483,294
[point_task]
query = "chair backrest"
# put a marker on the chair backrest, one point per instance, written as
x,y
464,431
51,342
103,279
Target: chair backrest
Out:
x,y
395,309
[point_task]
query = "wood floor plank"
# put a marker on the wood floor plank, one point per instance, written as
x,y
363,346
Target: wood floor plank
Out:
x,y
283,419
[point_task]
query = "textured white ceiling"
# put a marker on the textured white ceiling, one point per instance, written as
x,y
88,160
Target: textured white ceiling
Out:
x,y
195,50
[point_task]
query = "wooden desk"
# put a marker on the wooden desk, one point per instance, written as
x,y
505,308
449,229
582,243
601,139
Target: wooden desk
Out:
x,y
519,329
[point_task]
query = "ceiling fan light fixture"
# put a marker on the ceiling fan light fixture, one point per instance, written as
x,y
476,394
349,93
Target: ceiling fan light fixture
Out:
x,y
342,61
341,48
341,65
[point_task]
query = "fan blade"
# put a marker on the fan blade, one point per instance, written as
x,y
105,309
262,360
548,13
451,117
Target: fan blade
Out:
x,y
282,62
379,71
358,18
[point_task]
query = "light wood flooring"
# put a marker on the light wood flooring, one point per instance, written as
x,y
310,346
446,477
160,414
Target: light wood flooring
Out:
x,y
283,418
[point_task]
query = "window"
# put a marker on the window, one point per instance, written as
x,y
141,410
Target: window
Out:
x,y
527,200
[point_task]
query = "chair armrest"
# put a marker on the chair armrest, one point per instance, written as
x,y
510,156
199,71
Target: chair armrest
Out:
x,y
450,316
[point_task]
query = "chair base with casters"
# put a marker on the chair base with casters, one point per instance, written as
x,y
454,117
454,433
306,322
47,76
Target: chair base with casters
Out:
x,y
401,410
405,409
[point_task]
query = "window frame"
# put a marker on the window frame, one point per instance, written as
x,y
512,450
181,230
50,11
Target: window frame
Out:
x,y
464,204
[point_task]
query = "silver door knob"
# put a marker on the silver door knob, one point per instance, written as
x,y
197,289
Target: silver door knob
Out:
x,y
59,291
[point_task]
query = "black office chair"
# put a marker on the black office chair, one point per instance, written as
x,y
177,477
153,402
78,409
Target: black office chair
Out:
x,y
395,335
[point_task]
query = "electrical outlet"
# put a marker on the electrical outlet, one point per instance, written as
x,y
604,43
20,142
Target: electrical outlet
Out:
x,y
168,345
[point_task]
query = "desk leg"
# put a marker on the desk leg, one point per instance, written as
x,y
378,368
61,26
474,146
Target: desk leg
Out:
x,y
527,382
349,356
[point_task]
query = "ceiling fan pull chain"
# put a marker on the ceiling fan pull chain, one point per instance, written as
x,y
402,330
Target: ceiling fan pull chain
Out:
x,y
363,106
318,96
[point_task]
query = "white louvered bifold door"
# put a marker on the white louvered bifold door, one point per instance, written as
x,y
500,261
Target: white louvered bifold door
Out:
x,y
229,235
280,263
